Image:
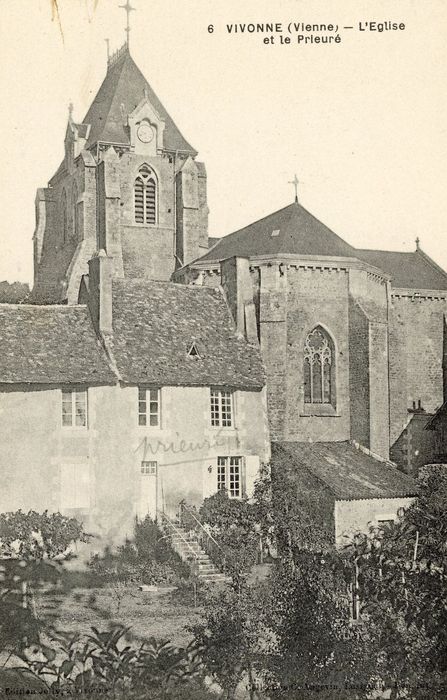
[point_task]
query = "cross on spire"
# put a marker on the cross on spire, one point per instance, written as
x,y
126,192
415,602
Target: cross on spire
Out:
x,y
295,182
128,9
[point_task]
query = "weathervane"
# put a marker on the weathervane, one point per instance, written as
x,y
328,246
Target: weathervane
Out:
x,y
128,8
295,182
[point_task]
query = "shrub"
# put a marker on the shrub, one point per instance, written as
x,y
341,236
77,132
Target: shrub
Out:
x,y
106,662
147,559
32,547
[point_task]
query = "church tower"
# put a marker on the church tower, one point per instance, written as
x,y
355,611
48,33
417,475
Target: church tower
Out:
x,y
129,184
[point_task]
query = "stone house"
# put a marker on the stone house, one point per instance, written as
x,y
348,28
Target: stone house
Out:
x,y
142,395
340,489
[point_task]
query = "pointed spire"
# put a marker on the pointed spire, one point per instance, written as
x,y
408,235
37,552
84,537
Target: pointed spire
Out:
x,y
70,112
128,9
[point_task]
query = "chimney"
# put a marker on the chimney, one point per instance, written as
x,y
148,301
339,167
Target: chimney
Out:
x,y
238,288
100,291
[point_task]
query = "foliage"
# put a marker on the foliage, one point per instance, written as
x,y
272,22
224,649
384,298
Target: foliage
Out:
x,y
108,662
309,644
303,513
36,536
234,636
403,591
234,524
148,559
13,292
318,646
32,547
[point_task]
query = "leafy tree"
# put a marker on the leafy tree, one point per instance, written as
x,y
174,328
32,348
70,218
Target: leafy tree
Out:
x,y
32,547
235,638
13,292
403,591
36,536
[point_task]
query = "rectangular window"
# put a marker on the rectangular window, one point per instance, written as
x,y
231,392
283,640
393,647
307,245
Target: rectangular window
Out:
x,y
74,408
148,406
148,467
229,475
221,408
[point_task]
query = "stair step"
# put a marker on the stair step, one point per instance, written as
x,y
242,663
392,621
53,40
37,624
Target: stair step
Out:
x,y
214,578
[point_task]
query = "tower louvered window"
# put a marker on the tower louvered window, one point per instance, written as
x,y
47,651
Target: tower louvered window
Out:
x,y
145,196
319,368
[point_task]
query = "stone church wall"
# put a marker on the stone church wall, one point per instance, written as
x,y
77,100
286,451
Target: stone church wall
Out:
x,y
148,251
416,352
359,374
291,305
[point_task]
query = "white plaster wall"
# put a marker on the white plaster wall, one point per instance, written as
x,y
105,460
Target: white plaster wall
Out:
x,y
357,516
100,467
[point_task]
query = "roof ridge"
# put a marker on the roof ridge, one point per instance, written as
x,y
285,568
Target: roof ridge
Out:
x,y
382,250
43,306
430,261
158,283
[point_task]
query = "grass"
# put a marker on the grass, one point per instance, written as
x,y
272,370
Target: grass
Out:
x,y
163,616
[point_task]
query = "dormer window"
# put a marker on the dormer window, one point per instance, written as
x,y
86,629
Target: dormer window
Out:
x,y
194,351
145,196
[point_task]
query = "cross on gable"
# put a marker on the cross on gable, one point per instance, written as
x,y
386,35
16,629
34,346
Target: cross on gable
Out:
x,y
127,7
295,182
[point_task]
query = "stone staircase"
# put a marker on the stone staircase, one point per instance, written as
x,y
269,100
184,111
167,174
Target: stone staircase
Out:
x,y
190,551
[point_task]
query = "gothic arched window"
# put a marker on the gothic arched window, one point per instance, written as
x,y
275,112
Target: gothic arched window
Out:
x,y
319,368
64,215
145,196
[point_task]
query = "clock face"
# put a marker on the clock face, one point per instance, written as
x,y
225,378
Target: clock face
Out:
x,y
145,132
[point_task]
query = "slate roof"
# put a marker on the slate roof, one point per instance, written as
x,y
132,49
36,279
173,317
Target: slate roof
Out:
x,y
299,232
293,230
125,84
50,345
409,270
348,472
155,324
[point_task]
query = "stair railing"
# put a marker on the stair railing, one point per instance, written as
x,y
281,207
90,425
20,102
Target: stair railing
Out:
x,y
205,538
178,534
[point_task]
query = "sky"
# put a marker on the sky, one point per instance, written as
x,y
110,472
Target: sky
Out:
x,y
362,123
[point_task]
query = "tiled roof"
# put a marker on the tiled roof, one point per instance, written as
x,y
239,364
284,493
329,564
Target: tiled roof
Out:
x,y
346,470
289,230
293,230
155,324
125,85
409,270
50,345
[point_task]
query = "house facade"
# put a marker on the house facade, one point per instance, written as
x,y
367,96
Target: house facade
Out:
x,y
142,396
